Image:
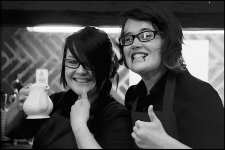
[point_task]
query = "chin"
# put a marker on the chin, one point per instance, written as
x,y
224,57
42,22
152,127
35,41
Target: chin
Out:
x,y
78,88
138,67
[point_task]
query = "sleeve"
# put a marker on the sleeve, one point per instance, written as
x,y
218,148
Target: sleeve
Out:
x,y
27,128
117,129
202,125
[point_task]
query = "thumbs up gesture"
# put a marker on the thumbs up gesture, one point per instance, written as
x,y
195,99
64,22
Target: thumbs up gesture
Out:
x,y
150,134
79,113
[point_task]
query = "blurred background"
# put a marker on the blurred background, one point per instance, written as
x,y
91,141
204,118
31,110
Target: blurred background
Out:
x,y
25,48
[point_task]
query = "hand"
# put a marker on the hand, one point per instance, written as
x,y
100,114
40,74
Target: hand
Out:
x,y
150,134
79,113
22,95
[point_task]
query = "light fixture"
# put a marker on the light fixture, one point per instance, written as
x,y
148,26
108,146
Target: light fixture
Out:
x,y
68,29
204,32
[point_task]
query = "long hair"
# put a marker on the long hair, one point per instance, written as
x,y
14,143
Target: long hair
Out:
x,y
93,46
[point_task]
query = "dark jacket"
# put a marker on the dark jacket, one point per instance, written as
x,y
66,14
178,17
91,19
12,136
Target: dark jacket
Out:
x,y
197,106
109,122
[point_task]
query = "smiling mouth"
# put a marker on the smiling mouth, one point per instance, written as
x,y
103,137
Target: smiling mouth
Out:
x,y
138,56
82,80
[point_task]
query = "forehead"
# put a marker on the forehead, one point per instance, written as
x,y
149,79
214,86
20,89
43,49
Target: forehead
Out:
x,y
135,26
81,57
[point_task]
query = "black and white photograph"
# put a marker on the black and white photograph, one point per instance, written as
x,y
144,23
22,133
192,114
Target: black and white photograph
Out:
x,y
112,74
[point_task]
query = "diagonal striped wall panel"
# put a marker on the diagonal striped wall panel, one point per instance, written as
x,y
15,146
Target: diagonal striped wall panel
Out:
x,y
23,52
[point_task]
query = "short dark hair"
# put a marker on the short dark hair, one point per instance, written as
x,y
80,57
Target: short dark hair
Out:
x,y
93,46
171,32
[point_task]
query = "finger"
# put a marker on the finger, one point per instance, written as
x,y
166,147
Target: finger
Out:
x,y
25,89
138,123
27,86
22,98
135,129
86,103
77,102
72,107
151,113
134,136
84,95
50,91
23,93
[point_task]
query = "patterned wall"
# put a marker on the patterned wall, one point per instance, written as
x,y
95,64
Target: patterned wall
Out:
x,y
23,52
216,59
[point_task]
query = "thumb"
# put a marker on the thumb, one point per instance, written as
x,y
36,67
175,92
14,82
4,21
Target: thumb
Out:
x,y
84,95
151,113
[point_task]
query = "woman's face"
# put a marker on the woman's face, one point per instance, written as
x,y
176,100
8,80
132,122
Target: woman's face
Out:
x,y
79,80
142,57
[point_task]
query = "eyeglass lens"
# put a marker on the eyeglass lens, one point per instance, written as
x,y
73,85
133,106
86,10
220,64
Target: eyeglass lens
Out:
x,y
142,37
75,64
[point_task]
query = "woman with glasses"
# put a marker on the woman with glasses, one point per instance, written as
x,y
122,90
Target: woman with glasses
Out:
x,y
188,112
86,115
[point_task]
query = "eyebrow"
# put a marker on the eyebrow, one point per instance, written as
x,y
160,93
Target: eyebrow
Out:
x,y
143,29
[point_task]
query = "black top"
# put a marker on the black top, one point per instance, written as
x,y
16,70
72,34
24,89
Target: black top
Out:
x,y
198,109
109,122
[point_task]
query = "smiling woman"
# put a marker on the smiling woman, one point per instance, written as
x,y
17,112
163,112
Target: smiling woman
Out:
x,y
86,115
184,106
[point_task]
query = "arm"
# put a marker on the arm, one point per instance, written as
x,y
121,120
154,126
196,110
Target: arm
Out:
x,y
200,113
206,121
16,116
78,116
84,138
16,125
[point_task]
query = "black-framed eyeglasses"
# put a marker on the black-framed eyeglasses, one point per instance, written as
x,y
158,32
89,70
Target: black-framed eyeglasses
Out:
x,y
74,64
142,37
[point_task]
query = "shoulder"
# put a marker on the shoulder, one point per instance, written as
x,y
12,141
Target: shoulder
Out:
x,y
114,114
190,82
113,108
114,105
55,97
195,90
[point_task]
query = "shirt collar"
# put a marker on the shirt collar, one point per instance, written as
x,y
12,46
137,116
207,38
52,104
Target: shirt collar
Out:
x,y
68,99
159,86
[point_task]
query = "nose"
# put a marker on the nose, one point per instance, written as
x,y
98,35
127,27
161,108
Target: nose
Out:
x,y
136,43
81,70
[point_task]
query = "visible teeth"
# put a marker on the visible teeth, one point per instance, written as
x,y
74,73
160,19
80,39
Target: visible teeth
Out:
x,y
139,55
81,80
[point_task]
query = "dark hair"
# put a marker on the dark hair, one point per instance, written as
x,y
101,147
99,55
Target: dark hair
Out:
x,y
171,32
92,46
